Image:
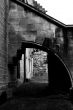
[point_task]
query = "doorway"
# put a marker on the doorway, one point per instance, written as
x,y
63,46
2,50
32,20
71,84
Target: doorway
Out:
x,y
33,66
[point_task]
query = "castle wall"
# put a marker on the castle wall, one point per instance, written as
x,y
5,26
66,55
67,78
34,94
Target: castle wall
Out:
x,y
27,26
3,43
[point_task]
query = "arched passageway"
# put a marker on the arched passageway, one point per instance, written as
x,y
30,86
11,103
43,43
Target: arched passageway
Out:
x,y
59,77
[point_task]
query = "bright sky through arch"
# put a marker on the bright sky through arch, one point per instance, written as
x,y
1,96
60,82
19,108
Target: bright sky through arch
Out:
x,y
61,10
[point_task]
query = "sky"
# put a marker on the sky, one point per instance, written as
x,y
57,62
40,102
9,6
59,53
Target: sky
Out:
x,y
61,10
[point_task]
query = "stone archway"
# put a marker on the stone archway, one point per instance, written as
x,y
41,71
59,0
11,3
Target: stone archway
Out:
x,y
59,76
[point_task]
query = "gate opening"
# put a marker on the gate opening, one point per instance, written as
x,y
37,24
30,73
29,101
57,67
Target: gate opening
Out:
x,y
35,65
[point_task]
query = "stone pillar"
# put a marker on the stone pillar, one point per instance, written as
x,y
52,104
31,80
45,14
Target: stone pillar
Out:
x,y
3,43
65,42
32,67
22,69
29,64
24,65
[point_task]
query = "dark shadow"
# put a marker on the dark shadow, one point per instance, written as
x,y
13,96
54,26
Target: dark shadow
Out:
x,y
58,73
59,76
3,98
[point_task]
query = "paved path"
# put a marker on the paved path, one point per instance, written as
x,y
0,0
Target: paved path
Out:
x,y
44,103
31,96
40,79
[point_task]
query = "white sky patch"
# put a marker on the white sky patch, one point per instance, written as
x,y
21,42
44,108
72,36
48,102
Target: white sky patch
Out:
x,y
61,10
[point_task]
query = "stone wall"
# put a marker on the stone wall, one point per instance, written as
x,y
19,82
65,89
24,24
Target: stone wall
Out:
x,y
70,50
27,26
3,44
40,63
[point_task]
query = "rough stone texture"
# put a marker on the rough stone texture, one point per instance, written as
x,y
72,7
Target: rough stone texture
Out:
x,y
3,45
26,25
39,65
70,52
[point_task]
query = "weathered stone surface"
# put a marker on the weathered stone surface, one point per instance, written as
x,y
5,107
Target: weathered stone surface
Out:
x,y
39,65
3,46
26,25
30,26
